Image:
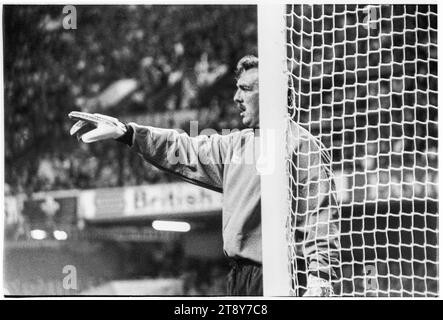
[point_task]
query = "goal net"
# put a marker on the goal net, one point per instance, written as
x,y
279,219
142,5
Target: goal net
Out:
x,y
363,82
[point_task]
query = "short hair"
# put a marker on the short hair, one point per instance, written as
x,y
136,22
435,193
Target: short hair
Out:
x,y
246,63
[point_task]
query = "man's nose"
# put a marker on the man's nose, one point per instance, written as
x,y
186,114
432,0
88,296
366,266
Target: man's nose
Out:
x,y
237,97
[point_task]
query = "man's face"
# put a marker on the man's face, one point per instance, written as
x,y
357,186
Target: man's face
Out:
x,y
246,97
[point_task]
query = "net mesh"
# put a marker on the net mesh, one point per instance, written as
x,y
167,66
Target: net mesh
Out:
x,y
363,104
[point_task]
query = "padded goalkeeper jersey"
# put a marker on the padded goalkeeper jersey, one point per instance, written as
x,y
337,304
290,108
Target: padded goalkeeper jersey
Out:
x,y
227,164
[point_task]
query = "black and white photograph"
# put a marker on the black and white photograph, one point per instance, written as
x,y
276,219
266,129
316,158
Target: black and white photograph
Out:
x,y
220,150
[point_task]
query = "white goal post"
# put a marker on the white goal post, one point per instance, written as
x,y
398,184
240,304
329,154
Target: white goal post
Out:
x,y
362,80
273,114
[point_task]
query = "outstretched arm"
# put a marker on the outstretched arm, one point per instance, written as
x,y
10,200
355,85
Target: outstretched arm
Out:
x,y
198,160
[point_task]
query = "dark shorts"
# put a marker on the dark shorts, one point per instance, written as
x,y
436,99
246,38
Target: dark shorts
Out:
x,y
245,278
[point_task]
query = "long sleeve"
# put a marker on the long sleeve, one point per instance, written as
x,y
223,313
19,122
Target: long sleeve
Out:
x,y
315,207
198,160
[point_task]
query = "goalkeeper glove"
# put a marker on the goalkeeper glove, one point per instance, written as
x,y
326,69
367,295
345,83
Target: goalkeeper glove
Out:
x,y
96,127
318,287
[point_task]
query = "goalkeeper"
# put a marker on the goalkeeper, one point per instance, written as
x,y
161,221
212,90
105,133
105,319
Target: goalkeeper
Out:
x,y
218,162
